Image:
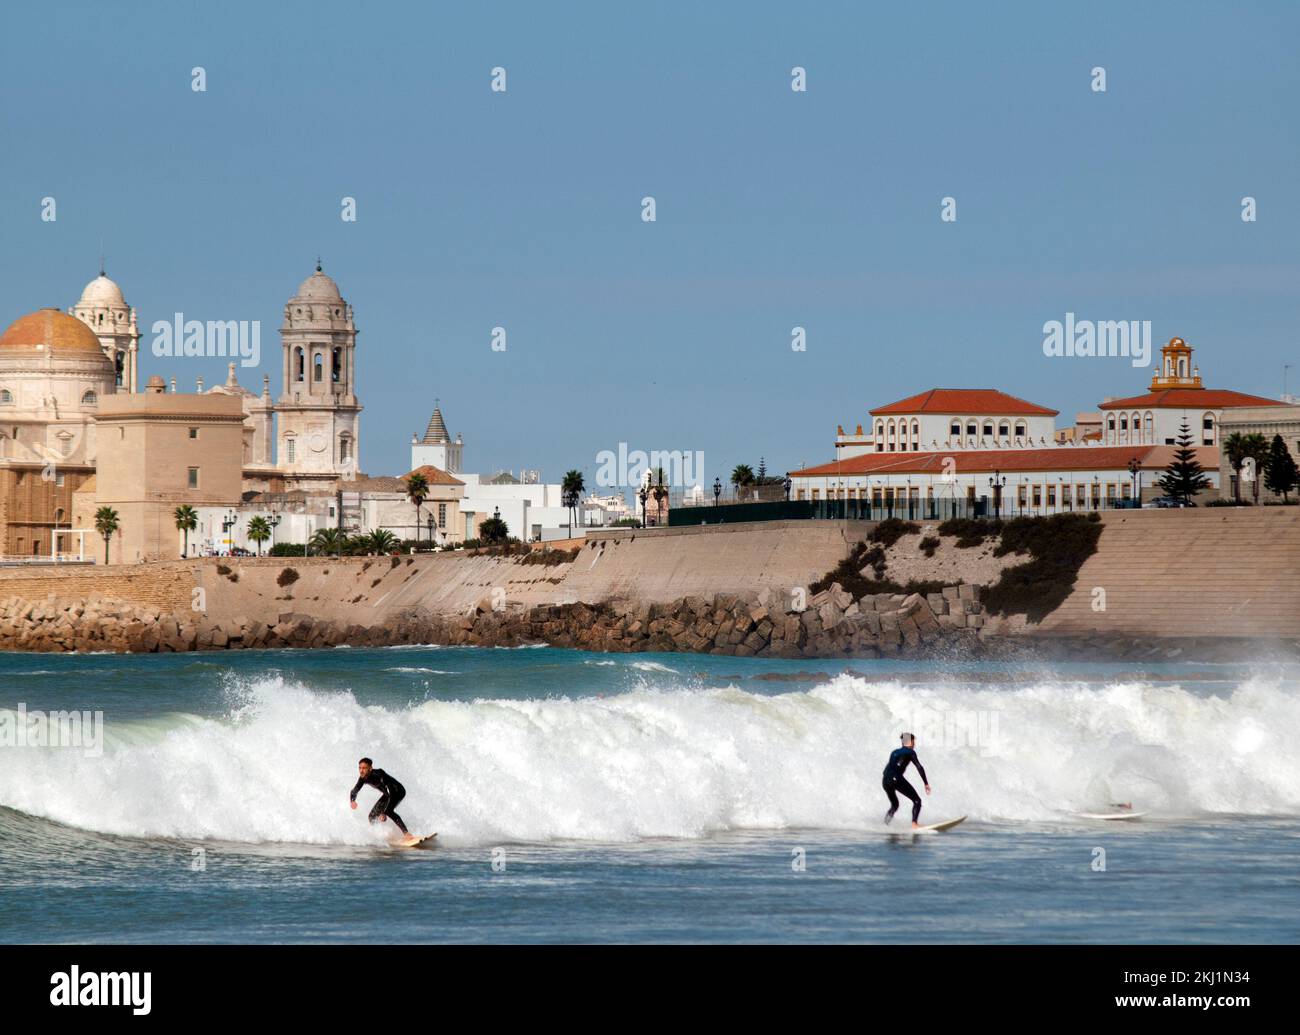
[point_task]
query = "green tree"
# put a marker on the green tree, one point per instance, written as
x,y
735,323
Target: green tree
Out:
x,y
742,475
417,491
1184,477
1257,452
259,530
187,520
1234,451
106,524
328,540
571,489
493,530
378,541
1282,474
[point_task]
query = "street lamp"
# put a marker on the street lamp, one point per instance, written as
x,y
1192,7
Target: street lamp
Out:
x,y
430,529
227,523
1135,472
643,495
786,486
275,520
717,490
998,481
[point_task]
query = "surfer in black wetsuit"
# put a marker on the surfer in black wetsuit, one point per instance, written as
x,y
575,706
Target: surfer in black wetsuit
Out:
x,y
894,783
390,793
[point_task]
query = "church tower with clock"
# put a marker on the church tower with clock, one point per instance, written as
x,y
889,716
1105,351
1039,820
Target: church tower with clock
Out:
x,y
318,415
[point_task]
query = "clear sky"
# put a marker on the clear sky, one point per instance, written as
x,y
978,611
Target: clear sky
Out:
x,y
775,208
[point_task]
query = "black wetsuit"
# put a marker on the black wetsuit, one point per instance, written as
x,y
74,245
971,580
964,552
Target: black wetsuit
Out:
x,y
390,793
894,784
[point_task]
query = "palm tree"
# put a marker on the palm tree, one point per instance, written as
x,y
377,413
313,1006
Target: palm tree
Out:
x,y
741,476
378,541
1256,449
493,530
417,491
1234,448
571,489
187,520
259,531
328,540
660,492
106,525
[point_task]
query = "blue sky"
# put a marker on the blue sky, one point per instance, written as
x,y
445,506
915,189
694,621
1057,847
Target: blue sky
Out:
x,y
775,209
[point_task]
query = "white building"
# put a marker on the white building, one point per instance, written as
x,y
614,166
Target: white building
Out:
x,y
951,418
437,449
1176,396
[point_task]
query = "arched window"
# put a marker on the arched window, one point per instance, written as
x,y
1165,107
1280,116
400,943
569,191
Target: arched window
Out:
x,y
318,368
988,429
1182,366
880,436
972,429
1207,429
916,436
336,373
1020,429
89,399
345,449
291,449
1123,422
955,429
1151,426
299,371
1004,430
6,397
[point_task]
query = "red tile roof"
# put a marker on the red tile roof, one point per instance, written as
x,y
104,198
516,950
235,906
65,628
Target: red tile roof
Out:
x,y
1190,399
966,401
1059,458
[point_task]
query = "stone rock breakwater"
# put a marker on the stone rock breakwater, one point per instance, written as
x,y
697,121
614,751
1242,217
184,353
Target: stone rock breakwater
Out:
x,y
827,624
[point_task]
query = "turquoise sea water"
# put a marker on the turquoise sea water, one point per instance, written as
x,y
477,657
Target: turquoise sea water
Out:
x,y
583,797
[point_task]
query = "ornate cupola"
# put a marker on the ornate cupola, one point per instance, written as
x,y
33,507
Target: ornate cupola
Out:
x,y
1176,370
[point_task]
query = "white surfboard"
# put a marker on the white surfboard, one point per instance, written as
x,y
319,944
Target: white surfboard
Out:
x,y
1111,815
947,824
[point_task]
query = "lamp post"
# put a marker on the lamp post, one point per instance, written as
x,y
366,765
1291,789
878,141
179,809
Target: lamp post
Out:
x,y
786,485
1135,472
1096,491
430,529
273,522
998,481
227,523
643,495
717,490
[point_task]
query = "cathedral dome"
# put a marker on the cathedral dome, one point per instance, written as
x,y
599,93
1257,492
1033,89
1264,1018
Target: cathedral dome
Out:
x,y
50,329
102,292
319,288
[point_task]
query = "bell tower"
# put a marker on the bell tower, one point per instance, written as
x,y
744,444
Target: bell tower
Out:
x,y
318,412
1175,369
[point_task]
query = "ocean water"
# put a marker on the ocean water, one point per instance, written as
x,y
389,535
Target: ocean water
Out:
x,y
683,798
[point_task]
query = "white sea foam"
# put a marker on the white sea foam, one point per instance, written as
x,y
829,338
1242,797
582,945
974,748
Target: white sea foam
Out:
x,y
677,763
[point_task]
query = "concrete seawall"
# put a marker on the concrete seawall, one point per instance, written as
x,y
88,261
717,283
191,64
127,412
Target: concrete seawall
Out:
x,y
1193,574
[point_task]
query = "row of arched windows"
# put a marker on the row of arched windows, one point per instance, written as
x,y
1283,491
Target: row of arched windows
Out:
x,y
901,436
318,365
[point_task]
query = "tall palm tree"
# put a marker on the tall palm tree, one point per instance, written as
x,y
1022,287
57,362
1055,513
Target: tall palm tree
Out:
x,y
187,520
1234,450
417,491
660,492
106,524
259,530
571,489
1256,449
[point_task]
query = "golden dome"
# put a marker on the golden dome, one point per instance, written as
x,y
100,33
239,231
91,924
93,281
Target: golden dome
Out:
x,y
50,329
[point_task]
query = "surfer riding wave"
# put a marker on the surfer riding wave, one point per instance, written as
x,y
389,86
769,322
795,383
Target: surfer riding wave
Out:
x,y
894,782
390,793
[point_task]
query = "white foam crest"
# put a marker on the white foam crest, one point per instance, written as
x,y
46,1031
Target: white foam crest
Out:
x,y
674,763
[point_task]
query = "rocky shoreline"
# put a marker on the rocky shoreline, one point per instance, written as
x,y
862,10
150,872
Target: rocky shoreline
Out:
x,y
951,624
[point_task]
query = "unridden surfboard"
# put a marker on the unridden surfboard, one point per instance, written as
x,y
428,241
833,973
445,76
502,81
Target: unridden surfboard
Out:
x,y
1111,815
